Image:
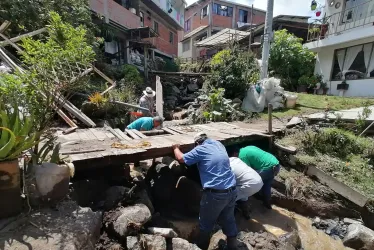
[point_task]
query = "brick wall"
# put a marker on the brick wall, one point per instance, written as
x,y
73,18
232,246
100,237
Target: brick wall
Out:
x,y
258,16
222,21
162,41
116,13
196,21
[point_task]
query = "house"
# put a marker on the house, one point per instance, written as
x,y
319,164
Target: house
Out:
x,y
199,23
344,47
139,27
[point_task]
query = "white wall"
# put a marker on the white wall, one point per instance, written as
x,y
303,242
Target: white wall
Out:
x,y
324,65
186,54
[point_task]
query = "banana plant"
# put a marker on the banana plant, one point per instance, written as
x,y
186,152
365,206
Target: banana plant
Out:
x,y
17,133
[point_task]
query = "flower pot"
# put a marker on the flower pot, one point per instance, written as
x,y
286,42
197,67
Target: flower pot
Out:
x,y
342,86
302,88
324,29
10,190
48,183
325,91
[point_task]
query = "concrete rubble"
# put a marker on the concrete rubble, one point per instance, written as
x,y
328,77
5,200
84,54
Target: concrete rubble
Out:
x,y
359,237
68,226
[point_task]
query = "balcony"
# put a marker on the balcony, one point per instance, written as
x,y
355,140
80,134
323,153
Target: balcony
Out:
x,y
116,13
358,17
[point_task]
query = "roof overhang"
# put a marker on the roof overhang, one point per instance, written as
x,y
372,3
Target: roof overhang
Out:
x,y
223,37
194,32
141,33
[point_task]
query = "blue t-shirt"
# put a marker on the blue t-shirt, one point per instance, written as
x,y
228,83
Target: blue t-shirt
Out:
x,y
213,164
145,123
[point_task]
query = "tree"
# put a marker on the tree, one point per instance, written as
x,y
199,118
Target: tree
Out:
x,y
29,15
289,59
233,70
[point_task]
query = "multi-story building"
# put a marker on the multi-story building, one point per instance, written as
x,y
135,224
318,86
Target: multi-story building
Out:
x,y
344,45
205,18
143,25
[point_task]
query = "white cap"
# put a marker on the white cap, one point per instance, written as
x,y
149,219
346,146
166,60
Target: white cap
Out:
x,y
200,136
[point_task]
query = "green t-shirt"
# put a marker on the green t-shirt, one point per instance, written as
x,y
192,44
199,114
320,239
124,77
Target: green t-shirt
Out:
x,y
257,158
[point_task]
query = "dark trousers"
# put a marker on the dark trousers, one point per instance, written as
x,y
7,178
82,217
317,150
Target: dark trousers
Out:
x,y
216,208
268,178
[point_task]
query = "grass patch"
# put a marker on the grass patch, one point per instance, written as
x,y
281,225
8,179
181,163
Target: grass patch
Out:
x,y
308,104
342,154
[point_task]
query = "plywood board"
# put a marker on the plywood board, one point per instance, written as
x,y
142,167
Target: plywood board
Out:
x,y
176,130
167,130
100,135
159,97
138,133
122,135
83,136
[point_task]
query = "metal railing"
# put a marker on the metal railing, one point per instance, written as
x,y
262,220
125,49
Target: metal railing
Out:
x,y
355,17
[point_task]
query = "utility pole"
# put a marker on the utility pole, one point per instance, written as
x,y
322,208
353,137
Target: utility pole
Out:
x,y
250,34
268,34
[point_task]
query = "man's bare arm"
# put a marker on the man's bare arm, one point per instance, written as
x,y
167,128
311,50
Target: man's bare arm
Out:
x,y
178,154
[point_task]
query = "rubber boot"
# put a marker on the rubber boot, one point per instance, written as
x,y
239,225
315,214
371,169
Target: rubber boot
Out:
x,y
244,208
232,243
204,240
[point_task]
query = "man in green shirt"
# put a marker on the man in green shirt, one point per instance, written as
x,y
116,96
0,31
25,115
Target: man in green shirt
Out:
x,y
265,164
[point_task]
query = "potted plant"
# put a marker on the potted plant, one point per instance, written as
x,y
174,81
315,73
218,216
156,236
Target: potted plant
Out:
x,y
343,86
312,85
16,137
303,84
322,84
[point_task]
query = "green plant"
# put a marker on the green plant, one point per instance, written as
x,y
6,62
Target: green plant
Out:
x,y
304,80
289,59
132,76
30,15
362,116
16,131
234,70
97,99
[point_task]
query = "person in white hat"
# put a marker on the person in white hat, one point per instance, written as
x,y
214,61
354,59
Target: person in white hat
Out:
x,y
147,101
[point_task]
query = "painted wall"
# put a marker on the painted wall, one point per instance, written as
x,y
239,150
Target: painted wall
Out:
x,y
324,64
116,13
176,5
161,42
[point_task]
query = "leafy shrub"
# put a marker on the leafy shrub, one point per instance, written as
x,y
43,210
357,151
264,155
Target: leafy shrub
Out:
x,y
132,75
289,59
337,142
233,70
170,66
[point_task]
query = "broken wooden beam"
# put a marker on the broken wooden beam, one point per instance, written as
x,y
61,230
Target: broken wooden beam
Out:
x,y
169,131
19,38
153,132
103,75
132,133
4,26
179,73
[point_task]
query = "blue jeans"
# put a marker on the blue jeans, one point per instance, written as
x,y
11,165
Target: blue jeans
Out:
x,y
218,207
268,178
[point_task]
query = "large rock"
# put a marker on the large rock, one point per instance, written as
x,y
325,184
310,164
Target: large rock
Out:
x,y
67,227
146,242
181,244
359,237
131,219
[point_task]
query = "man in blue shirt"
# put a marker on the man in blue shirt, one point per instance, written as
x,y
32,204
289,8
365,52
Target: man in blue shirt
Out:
x,y
218,200
146,123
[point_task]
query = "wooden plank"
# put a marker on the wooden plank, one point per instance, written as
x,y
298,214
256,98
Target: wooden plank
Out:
x,y
83,136
338,186
138,133
159,98
111,130
122,135
109,135
19,38
205,128
82,151
176,130
100,135
167,130
132,134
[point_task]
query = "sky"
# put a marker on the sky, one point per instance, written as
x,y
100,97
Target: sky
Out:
x,y
285,7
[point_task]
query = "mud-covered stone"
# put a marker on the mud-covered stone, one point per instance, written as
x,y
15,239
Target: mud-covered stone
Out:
x,y
131,219
114,195
152,242
164,232
181,244
67,227
359,237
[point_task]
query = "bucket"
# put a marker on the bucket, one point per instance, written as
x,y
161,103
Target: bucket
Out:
x,y
291,102
10,189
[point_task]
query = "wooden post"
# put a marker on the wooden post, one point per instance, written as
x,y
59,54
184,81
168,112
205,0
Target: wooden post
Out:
x,y
270,124
250,35
159,97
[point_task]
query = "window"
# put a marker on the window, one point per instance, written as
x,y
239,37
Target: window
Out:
x,y
187,25
356,10
171,37
155,26
204,12
353,63
222,10
141,14
186,46
243,16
